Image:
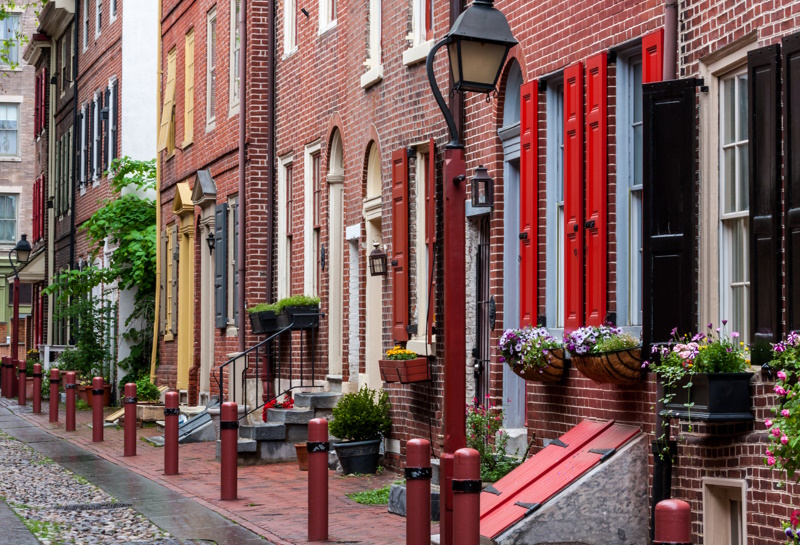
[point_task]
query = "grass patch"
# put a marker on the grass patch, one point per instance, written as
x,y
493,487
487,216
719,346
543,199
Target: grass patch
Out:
x,y
81,405
378,496
79,479
42,529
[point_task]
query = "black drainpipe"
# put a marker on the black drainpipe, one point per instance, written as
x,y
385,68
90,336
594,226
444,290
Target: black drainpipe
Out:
x,y
271,35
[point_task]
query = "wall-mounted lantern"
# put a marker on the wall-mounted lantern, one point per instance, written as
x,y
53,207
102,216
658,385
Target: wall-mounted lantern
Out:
x,y
377,261
482,188
211,241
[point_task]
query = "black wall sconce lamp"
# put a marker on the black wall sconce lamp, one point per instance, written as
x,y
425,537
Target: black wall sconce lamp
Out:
x,y
377,261
211,241
482,188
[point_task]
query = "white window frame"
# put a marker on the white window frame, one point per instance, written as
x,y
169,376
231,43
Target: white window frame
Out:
x,y
85,24
233,202
554,289
96,140
14,100
211,72
374,64
112,120
419,342
729,220
629,257
284,278
18,16
233,66
16,196
310,244
289,27
98,18
713,67
418,43
84,109
326,21
113,11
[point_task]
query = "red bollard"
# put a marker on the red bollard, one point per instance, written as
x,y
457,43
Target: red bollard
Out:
x,y
97,410
318,448
673,524
467,497
418,492
171,413
130,420
22,374
54,394
37,388
229,437
70,387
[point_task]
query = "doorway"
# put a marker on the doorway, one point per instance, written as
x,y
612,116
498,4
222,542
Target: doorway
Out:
x,y
484,304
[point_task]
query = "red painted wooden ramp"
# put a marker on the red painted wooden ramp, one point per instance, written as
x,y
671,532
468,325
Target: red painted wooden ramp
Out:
x,y
547,473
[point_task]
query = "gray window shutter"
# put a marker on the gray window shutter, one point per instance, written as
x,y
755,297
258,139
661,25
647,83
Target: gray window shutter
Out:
x,y
174,287
235,252
106,131
162,321
113,120
221,265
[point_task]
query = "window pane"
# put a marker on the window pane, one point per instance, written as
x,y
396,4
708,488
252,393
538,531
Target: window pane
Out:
x,y
737,247
560,273
729,178
637,92
743,178
729,109
635,258
638,168
742,80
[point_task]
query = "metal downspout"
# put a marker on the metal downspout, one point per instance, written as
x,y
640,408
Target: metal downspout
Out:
x,y
159,257
242,204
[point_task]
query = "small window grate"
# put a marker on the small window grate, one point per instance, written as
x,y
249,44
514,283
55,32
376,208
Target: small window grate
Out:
x,y
92,506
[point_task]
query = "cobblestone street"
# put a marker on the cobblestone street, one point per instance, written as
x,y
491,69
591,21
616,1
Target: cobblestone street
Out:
x,y
182,509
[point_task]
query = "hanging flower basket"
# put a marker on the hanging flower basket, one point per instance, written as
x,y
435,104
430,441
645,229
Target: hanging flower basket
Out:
x,y
552,371
618,367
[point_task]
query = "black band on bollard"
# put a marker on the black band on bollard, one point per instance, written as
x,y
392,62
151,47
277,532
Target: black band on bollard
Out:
x,y
97,392
467,486
419,473
55,380
226,425
318,446
21,370
172,412
130,400
37,375
70,386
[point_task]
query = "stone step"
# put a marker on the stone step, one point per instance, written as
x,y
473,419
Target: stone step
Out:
x,y
397,501
270,431
316,400
242,446
290,416
334,383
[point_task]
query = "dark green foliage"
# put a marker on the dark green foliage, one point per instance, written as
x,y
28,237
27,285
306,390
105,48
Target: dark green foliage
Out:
x,y
361,416
297,301
146,390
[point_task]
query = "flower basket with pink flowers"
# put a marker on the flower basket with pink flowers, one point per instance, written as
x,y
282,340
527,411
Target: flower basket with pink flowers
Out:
x,y
783,452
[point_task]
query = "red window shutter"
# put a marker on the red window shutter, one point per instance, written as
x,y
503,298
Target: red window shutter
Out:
x,y
37,102
430,232
653,56
596,188
573,196
400,245
35,204
529,194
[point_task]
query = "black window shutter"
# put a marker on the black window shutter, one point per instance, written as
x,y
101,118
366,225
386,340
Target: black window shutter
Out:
x,y
668,241
235,252
106,131
764,128
88,147
221,265
90,127
176,252
115,95
163,284
791,152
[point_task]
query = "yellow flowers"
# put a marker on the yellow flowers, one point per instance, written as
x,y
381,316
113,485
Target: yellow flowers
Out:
x,y
400,353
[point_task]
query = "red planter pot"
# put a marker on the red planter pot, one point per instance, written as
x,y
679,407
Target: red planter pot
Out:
x,y
405,371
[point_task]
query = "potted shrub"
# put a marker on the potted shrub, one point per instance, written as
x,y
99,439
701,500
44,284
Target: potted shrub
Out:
x,y
706,377
404,366
263,318
360,420
533,354
148,396
605,354
299,311
783,452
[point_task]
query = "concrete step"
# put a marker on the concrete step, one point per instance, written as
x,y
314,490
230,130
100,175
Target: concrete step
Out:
x,y
316,400
290,416
269,431
243,446
397,501
334,383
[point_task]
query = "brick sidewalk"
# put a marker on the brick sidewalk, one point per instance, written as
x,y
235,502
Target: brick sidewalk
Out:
x,y
272,500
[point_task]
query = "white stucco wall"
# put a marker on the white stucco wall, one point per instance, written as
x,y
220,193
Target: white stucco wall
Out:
x,y
139,59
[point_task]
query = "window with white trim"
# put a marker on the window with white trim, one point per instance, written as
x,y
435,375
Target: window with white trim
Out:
x,y
629,190
98,18
8,219
96,135
233,255
555,204
310,217
9,129
327,14
422,245
211,66
734,203
113,9
235,50
289,26
285,205
83,145
422,21
10,36
85,24
374,50
112,129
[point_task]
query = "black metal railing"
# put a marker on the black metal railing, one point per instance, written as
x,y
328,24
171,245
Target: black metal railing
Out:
x,y
268,366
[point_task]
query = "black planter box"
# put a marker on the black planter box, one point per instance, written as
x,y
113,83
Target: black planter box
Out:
x,y
299,317
255,323
717,397
269,321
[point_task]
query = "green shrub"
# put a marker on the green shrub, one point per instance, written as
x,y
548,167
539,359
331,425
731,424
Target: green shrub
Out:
x,y
146,390
485,434
263,307
361,416
46,387
297,301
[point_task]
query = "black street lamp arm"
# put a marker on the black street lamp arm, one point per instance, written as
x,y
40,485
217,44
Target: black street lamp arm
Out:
x,y
437,94
11,261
